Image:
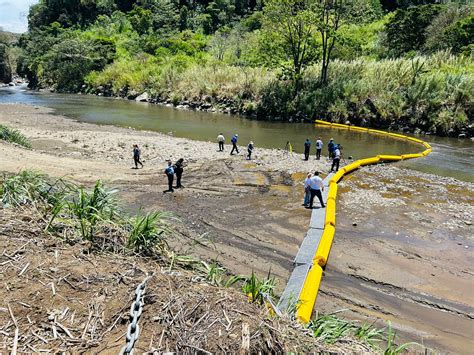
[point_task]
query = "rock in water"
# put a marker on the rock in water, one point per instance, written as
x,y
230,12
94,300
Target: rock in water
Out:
x,y
145,97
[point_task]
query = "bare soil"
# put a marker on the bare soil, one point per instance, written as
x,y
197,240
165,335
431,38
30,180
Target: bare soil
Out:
x,y
403,246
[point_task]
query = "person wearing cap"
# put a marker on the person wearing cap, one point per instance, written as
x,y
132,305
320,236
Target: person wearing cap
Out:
x,y
319,147
234,140
336,157
331,147
307,146
249,150
307,192
221,140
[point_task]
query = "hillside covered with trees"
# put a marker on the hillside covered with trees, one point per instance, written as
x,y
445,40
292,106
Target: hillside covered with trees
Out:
x,y
405,64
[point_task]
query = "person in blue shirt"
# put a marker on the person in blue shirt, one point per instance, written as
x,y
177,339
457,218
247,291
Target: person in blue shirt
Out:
x,y
234,144
307,146
169,172
331,147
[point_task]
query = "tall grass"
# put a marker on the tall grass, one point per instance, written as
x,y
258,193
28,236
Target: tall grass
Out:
x,y
258,290
148,232
14,136
329,329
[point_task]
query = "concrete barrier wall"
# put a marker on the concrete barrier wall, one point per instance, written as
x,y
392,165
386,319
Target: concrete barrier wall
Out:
x,y
310,287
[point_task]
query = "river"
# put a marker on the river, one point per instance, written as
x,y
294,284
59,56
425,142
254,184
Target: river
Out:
x,y
451,157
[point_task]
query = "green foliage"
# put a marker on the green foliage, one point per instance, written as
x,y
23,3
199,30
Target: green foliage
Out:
x,y
5,68
148,232
406,30
329,329
218,275
25,188
259,290
14,136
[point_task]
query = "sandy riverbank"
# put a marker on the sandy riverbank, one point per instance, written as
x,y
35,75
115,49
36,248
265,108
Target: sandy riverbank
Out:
x,y
410,226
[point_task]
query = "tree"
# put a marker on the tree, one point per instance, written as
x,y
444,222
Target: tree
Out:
x,y
406,30
330,15
296,22
5,68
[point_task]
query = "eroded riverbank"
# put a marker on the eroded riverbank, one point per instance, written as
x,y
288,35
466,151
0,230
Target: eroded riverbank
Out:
x,y
252,214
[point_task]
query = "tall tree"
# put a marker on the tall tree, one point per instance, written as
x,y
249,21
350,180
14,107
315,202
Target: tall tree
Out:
x,y
296,22
330,14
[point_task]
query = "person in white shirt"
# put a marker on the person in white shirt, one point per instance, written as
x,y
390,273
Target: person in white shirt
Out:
x,y
336,158
307,192
319,147
315,187
221,140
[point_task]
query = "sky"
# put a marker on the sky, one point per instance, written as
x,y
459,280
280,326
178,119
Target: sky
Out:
x,y
13,14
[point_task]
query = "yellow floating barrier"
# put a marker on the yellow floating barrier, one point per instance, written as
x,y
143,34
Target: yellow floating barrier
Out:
x,y
323,122
339,125
338,176
309,293
415,140
332,191
377,131
324,248
352,166
390,157
368,161
330,213
311,285
396,135
356,128
411,156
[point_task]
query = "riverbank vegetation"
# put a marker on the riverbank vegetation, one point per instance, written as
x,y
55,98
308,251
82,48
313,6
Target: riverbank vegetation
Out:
x,y
91,218
10,135
400,65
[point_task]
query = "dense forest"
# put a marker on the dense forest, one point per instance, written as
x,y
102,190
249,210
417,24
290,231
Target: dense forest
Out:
x,y
403,64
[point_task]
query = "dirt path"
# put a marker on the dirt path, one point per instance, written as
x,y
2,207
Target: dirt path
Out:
x,y
409,258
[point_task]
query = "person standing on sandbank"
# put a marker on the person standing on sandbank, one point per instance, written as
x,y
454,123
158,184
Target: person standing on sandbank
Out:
x,y
307,192
234,140
250,150
307,147
319,147
315,187
169,172
331,147
136,156
220,141
178,169
336,158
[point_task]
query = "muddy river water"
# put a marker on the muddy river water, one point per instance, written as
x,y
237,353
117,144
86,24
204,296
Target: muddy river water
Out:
x,y
403,250
450,157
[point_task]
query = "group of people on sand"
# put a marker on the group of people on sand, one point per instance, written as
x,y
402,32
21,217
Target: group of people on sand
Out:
x,y
170,171
235,148
334,151
313,186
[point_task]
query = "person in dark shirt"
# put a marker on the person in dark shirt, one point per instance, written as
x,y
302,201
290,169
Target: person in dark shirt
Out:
x,y
169,172
178,169
249,150
331,148
136,156
307,147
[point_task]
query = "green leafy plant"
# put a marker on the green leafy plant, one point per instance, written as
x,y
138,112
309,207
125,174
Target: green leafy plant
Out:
x,y
90,208
217,274
14,136
258,290
148,232
391,347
